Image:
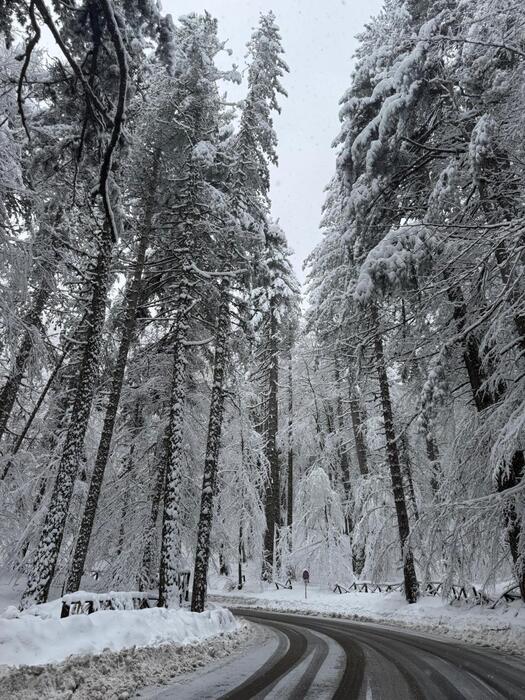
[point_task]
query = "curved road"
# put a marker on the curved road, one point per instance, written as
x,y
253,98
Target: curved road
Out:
x,y
301,657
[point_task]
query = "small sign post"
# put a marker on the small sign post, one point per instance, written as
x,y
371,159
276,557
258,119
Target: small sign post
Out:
x,y
306,579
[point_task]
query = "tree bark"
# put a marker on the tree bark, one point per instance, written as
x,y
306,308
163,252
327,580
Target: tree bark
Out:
x,y
170,546
240,578
433,458
290,463
127,474
358,553
409,573
344,461
11,387
104,446
48,548
358,430
509,475
273,490
146,578
202,552
407,472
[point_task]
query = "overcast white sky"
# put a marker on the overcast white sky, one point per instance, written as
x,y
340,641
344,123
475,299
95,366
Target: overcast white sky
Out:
x,y
318,38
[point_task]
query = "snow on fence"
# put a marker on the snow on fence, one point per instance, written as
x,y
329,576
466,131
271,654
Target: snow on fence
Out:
x,y
87,603
455,591
369,587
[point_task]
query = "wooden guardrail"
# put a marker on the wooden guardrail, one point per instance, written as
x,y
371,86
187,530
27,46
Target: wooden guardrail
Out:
x,y
287,584
455,591
87,604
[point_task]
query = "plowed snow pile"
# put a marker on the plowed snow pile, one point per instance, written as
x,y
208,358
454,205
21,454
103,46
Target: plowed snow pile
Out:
x,y
30,639
109,654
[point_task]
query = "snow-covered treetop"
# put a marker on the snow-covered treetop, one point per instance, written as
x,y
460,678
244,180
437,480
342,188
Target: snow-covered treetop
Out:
x,y
277,286
255,143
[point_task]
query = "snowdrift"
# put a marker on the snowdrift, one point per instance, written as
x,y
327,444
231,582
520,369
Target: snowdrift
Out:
x,y
30,639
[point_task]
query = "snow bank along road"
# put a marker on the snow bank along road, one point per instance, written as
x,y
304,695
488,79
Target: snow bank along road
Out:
x,y
316,658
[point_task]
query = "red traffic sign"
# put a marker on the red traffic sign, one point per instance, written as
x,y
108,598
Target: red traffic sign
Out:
x,y
306,576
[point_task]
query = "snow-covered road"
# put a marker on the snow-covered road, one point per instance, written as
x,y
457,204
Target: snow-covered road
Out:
x,y
303,657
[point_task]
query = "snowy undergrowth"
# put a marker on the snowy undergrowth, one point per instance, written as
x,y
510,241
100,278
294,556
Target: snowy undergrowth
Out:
x,y
35,639
116,675
502,628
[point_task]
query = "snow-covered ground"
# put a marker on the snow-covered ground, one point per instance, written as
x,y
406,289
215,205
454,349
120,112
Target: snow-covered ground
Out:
x,y
109,653
502,628
117,675
32,639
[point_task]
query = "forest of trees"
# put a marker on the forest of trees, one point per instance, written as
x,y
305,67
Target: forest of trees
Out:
x,y
168,400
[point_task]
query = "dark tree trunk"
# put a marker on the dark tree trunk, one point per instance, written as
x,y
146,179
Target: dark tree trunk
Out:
x,y
344,461
358,552
202,553
497,207
407,473
435,465
358,431
505,268
508,476
170,545
240,577
104,446
11,387
290,465
127,475
483,398
273,491
46,556
146,578
409,573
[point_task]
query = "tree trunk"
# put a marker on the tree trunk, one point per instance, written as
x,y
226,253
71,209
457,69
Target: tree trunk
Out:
x,y
342,448
358,553
202,552
506,479
483,398
48,549
240,578
409,573
508,475
127,474
407,472
290,465
170,546
273,491
358,430
505,269
11,387
146,578
433,458
104,446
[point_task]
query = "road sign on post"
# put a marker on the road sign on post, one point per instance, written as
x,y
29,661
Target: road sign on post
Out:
x,y
306,579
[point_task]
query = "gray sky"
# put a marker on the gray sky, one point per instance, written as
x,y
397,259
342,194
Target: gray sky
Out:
x,y
318,39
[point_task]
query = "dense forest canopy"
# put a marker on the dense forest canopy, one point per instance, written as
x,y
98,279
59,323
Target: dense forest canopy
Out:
x,y
170,399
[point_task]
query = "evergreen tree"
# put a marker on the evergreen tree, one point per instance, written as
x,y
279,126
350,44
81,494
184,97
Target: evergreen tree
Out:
x,y
253,147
